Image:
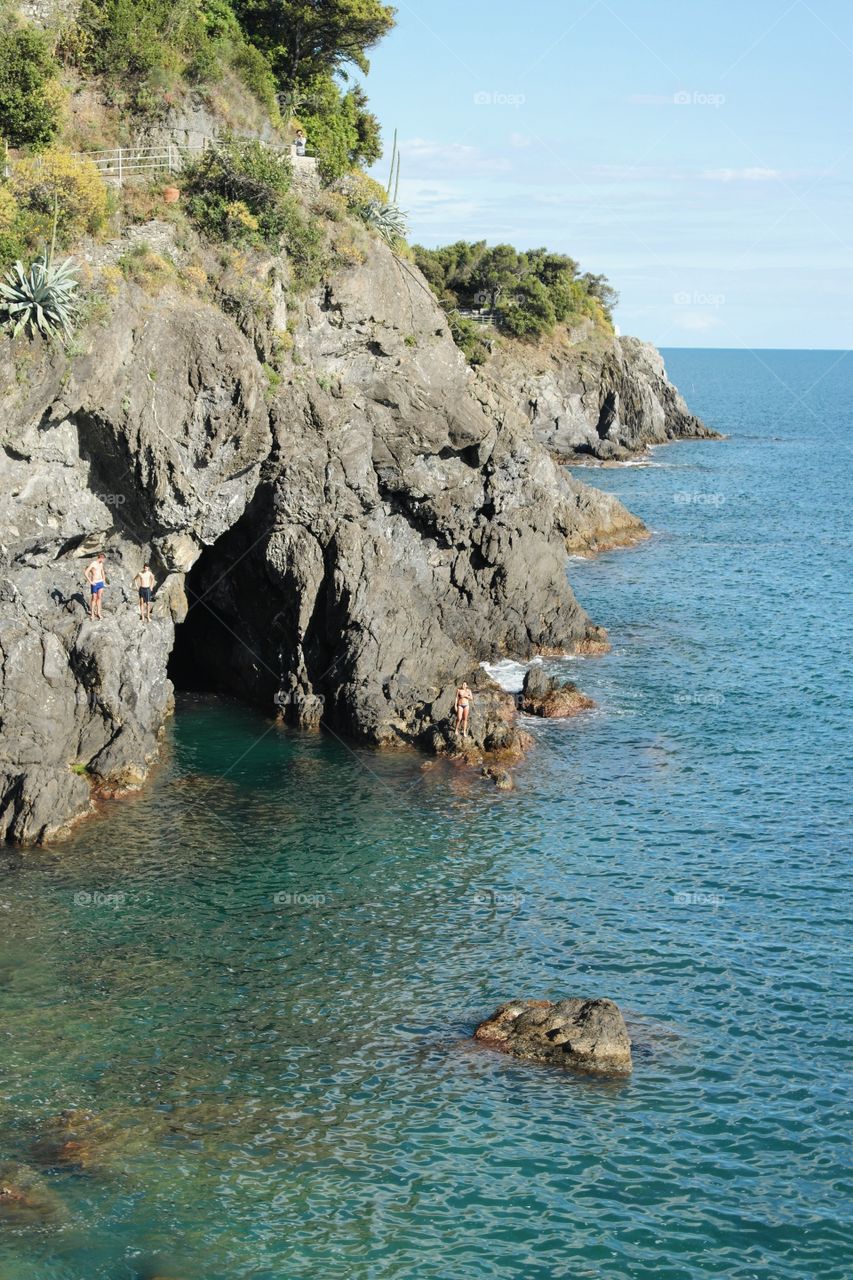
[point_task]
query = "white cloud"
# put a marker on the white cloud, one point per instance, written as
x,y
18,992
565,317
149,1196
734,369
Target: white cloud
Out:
x,y
423,157
742,175
696,322
438,204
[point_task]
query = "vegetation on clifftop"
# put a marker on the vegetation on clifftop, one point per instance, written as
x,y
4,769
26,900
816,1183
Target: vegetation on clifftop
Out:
x,y
293,58
144,51
527,295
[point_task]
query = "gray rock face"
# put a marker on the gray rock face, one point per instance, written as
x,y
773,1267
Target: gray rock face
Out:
x,y
411,528
594,521
149,450
353,546
586,1035
589,394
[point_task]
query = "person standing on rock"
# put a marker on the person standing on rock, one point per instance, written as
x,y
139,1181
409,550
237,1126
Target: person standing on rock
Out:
x,y
462,707
95,576
144,580
301,143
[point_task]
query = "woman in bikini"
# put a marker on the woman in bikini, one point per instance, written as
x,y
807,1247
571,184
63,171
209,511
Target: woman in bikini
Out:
x,y
462,707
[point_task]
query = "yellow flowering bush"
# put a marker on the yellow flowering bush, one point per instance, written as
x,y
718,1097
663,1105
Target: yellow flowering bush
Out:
x,y
57,180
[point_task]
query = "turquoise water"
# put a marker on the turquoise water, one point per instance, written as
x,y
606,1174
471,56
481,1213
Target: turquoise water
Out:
x,y
262,972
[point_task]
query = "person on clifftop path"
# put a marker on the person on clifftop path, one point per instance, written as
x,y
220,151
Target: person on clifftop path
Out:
x,y
462,707
96,578
301,143
144,580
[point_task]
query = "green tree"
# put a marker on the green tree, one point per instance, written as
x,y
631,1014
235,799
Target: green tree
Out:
x,y
28,115
497,270
340,128
599,287
528,312
305,39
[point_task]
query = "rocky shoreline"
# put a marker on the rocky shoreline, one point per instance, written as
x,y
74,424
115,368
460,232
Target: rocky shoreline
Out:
x,y
343,545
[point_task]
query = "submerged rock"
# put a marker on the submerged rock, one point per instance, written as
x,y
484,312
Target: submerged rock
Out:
x,y
502,778
77,1140
587,1035
26,1200
544,695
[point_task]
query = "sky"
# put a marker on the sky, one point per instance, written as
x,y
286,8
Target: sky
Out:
x,y
699,153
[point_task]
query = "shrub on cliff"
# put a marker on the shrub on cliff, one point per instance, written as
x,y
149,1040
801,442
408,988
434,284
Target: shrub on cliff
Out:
x,y
146,49
57,183
239,192
468,336
28,103
528,311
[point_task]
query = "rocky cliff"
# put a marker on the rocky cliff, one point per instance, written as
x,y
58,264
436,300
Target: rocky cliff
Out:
x,y
342,543
587,393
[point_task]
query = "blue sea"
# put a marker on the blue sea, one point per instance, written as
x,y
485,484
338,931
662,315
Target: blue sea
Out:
x,y
261,974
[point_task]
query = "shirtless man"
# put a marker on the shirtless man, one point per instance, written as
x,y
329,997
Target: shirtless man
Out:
x,y
94,575
145,582
462,707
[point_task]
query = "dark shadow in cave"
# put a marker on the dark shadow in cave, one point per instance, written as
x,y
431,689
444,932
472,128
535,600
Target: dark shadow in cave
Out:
x,y
241,636
227,643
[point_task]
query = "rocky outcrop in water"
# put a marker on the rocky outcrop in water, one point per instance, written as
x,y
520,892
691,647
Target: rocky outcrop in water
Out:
x,y
358,541
587,393
410,528
586,1035
547,696
353,537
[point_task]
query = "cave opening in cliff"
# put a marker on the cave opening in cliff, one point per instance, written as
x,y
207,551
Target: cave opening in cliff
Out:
x,y
247,633
225,644
201,654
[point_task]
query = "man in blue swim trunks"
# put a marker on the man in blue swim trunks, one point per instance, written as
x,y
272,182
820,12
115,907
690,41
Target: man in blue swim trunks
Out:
x,y
95,576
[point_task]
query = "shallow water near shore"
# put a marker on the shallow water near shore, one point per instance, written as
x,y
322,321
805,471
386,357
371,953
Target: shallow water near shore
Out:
x,y
262,972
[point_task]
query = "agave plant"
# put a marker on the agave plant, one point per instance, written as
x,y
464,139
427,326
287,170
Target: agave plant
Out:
x,y
39,298
386,219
